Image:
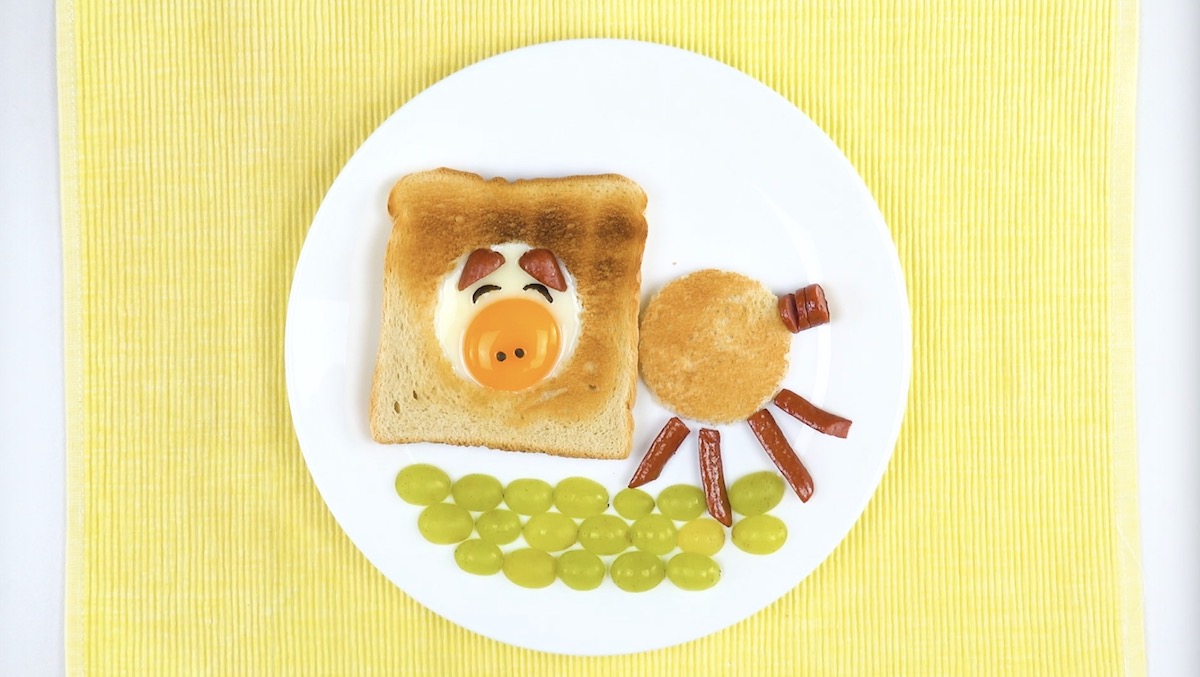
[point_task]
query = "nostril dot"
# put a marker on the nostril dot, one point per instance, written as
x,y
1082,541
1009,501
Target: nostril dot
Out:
x,y
519,352
500,357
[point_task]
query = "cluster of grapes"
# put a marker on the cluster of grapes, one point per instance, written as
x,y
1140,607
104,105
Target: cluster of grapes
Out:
x,y
573,512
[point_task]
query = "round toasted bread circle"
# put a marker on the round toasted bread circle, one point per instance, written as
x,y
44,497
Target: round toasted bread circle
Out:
x,y
712,347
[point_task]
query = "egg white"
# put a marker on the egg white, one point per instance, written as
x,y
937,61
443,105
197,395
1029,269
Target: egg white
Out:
x,y
455,308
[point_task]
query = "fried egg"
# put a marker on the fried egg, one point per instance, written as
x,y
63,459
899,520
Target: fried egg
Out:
x,y
506,330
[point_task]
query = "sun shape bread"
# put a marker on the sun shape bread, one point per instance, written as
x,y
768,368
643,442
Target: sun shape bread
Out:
x,y
712,347
595,225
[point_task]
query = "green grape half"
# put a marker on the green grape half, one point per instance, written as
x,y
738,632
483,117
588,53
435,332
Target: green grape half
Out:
x,y
692,571
478,557
756,493
422,484
702,536
529,568
682,502
498,526
604,534
760,534
477,492
550,532
633,503
655,534
580,570
529,496
445,523
580,497
637,571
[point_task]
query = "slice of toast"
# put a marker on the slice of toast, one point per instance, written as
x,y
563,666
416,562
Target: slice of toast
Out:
x,y
596,227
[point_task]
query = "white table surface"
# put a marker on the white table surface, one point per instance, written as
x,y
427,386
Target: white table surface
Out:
x,y
1166,285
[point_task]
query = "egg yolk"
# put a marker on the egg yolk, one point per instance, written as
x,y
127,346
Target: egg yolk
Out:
x,y
511,344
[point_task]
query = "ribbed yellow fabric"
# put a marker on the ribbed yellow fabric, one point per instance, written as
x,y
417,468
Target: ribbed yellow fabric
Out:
x,y
198,139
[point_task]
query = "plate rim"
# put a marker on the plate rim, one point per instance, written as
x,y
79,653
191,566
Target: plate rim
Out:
x,y
897,274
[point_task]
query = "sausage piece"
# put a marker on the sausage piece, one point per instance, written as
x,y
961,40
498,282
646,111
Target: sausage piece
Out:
x,y
811,415
480,263
661,450
764,427
712,477
815,305
804,309
788,312
543,267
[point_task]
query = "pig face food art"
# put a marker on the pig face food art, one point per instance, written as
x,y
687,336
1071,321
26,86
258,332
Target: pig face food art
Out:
x,y
507,317
713,348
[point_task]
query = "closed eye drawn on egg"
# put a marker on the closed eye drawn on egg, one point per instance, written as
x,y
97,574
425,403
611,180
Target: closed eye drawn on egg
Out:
x,y
483,289
541,289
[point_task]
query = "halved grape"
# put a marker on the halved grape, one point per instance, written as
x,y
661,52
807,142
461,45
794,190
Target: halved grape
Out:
x,y
477,492
529,496
756,493
692,571
760,534
682,502
637,571
580,570
445,523
529,568
498,526
702,536
633,503
550,531
580,497
654,534
604,534
478,557
422,484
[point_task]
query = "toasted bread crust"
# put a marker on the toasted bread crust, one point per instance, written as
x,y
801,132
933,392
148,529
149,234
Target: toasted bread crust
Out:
x,y
595,225
711,346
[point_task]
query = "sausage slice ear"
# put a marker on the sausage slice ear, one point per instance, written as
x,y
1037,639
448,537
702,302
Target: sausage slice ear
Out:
x,y
543,267
480,264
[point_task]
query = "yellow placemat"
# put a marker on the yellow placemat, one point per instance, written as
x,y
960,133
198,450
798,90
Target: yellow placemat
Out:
x,y
199,138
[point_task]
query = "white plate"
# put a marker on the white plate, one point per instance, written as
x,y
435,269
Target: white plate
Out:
x,y
737,178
